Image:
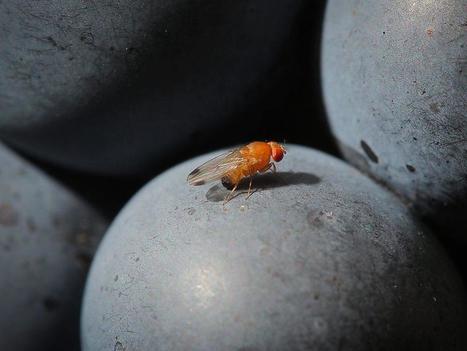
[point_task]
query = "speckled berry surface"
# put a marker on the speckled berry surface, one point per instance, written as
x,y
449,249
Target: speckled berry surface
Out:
x,y
319,257
47,239
394,82
117,87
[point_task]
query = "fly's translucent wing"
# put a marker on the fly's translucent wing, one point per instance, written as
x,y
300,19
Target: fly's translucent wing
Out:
x,y
216,168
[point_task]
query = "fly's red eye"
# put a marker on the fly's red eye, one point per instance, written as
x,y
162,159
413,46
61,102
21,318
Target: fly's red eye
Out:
x,y
277,154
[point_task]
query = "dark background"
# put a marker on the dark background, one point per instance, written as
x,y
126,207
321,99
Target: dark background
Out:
x,y
292,113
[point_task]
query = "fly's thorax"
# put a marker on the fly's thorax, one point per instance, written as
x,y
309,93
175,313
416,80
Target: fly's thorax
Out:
x,y
259,155
259,148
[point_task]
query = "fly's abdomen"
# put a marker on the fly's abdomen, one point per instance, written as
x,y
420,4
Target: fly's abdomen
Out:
x,y
227,183
234,177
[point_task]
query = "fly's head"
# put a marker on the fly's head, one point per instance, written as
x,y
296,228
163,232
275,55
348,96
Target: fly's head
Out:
x,y
277,151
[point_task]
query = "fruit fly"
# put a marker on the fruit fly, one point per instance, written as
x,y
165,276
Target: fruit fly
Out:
x,y
235,165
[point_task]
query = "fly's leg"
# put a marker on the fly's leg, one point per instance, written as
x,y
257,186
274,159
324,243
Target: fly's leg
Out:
x,y
229,197
268,167
265,169
249,188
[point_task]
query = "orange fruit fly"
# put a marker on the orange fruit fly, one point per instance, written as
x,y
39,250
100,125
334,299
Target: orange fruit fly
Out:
x,y
235,165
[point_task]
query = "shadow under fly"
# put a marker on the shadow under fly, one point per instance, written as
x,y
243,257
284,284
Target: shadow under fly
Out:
x,y
265,181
